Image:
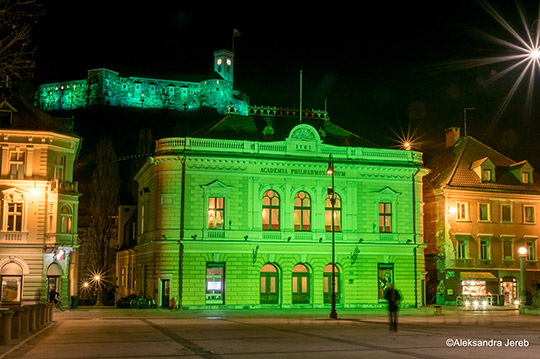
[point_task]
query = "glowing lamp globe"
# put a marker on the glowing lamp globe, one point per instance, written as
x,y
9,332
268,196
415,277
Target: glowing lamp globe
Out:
x,y
522,251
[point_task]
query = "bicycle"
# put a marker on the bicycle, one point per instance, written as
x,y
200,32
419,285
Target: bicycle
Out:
x,y
141,303
60,305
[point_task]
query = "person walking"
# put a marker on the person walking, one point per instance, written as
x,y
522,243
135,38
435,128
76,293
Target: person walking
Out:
x,y
393,298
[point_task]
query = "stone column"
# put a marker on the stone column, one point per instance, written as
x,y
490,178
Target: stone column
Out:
x,y
16,322
5,318
33,317
25,320
42,314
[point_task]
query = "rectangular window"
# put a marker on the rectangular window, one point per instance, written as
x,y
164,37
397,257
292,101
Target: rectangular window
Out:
x,y
486,175
531,251
507,250
58,167
385,217
484,250
462,211
525,177
528,214
16,163
14,216
506,213
484,214
462,249
216,212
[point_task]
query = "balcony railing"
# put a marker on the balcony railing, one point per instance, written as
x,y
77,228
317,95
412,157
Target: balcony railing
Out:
x,y
13,237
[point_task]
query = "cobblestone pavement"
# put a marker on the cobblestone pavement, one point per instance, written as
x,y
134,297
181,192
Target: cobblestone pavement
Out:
x,y
254,334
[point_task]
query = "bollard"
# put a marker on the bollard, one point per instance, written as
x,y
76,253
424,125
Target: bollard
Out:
x,y
33,317
42,314
16,323
6,317
50,311
25,320
438,310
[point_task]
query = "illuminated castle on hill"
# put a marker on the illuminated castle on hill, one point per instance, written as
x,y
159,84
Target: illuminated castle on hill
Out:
x,y
106,87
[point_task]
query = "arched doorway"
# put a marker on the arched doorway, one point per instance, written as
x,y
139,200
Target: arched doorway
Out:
x,y
269,284
300,284
327,284
54,278
12,281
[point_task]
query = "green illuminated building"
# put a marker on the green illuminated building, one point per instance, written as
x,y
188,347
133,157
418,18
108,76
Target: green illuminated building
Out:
x,y
190,92
245,222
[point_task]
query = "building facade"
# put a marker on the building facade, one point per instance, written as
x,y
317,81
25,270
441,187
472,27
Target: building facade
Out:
x,y
39,206
245,223
481,207
106,87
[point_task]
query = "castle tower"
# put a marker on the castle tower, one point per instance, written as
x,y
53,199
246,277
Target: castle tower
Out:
x,y
224,64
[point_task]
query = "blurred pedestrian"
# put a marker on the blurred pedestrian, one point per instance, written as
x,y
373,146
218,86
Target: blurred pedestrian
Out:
x,y
393,298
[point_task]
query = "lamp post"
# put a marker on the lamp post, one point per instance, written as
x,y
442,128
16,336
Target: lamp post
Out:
x,y
97,279
522,288
330,171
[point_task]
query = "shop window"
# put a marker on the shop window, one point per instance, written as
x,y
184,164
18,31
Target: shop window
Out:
x,y
474,288
11,277
216,212
385,217
484,212
484,249
385,276
531,251
66,219
270,211
506,213
302,212
328,213
528,214
215,282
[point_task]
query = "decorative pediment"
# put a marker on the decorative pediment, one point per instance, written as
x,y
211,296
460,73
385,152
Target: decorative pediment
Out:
x,y
216,188
304,132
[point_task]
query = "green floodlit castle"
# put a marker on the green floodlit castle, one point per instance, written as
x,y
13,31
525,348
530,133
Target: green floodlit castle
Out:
x,y
240,217
106,87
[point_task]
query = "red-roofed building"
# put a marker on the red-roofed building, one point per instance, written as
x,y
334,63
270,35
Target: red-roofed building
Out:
x,y
480,207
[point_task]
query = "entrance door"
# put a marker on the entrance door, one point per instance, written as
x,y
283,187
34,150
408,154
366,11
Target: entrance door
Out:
x,y
269,284
327,284
300,285
165,290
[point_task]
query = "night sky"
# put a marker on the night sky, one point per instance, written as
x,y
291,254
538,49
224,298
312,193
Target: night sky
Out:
x,y
380,68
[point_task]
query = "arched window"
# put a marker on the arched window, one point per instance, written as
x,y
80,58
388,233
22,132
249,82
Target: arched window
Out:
x,y
270,211
328,213
66,219
11,277
302,212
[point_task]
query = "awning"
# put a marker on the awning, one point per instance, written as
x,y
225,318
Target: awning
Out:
x,y
487,276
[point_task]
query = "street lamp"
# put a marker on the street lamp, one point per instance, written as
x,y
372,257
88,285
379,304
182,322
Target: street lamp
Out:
x,y
330,171
522,288
97,279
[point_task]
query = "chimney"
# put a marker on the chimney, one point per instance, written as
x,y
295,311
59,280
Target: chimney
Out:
x,y
452,135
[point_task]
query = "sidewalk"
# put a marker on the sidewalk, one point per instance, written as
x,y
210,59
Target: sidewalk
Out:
x,y
89,313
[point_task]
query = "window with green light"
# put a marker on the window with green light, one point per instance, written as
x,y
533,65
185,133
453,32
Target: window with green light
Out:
x,y
302,211
270,211
328,213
